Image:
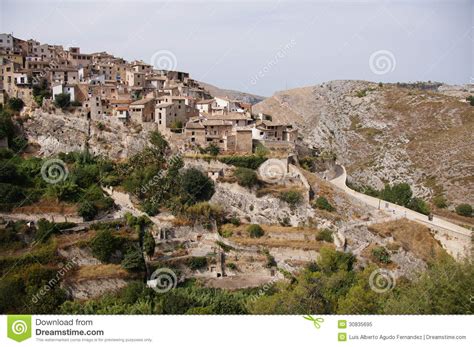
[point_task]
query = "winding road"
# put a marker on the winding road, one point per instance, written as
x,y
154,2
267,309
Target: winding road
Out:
x,y
458,239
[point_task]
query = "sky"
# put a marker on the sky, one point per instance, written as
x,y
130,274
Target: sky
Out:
x,y
263,46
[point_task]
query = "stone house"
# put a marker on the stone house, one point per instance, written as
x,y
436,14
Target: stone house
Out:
x,y
143,110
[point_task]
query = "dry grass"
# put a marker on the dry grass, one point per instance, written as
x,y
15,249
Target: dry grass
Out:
x,y
277,229
67,240
48,206
276,190
412,237
102,271
279,243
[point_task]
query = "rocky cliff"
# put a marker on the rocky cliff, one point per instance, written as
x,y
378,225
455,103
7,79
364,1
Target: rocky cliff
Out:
x,y
388,133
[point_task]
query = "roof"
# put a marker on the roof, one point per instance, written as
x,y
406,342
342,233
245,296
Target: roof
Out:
x,y
207,101
215,122
194,125
142,101
164,104
120,101
269,123
231,116
122,108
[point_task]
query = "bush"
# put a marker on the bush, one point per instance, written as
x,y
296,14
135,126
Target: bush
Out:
x,y
196,263
149,244
204,212
292,198
231,266
248,161
246,177
226,233
440,201
45,230
62,100
418,205
399,194
103,245
464,210
197,186
213,149
323,204
15,104
255,230
325,235
87,210
234,220
133,260
470,98
381,255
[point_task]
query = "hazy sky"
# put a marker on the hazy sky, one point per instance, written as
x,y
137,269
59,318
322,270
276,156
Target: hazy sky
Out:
x,y
267,45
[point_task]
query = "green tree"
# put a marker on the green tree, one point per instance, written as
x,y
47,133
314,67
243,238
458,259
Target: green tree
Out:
x,y
62,100
196,186
148,243
399,194
133,260
16,104
103,245
87,210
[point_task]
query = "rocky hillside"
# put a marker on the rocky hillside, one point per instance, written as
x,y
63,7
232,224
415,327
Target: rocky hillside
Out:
x,y
231,94
388,133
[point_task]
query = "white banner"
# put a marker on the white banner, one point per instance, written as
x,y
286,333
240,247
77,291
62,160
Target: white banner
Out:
x,y
226,331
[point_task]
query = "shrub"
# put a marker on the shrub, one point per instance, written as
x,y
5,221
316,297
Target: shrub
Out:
x,y
213,149
248,161
255,230
133,260
204,211
325,235
440,201
464,210
285,221
197,186
292,198
16,104
45,230
381,255
226,233
231,266
103,245
234,220
225,248
399,194
87,210
323,204
148,244
246,177
470,98
62,100
196,263
419,205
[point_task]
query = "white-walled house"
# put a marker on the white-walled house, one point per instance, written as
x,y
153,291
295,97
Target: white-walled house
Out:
x,y
66,89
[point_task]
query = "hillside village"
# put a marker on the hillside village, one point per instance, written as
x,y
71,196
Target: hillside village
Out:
x,y
238,204
100,86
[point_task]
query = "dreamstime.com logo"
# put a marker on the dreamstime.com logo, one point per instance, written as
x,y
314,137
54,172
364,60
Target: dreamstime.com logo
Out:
x,y
54,171
19,327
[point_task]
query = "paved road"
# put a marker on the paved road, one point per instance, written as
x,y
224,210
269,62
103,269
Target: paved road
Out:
x,y
396,210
